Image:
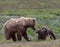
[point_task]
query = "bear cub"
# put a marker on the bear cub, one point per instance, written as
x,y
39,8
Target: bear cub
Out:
x,y
45,32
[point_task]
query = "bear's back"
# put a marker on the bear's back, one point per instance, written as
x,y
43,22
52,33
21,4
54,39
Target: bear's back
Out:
x,y
9,23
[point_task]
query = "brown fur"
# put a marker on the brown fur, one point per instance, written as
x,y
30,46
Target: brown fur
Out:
x,y
19,27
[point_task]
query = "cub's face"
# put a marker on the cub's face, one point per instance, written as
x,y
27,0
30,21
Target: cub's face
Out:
x,y
41,34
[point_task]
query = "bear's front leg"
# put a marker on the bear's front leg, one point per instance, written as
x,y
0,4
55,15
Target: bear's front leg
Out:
x,y
26,36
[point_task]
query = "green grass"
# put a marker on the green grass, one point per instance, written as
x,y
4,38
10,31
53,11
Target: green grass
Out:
x,y
50,18
47,13
22,7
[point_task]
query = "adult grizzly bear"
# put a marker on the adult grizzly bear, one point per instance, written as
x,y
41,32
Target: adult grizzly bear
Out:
x,y
18,27
44,32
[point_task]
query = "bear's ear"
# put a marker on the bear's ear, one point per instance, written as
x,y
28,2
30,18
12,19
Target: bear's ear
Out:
x,y
34,19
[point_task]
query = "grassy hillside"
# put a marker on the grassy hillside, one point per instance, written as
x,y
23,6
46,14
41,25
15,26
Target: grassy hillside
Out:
x,y
46,12
17,6
45,18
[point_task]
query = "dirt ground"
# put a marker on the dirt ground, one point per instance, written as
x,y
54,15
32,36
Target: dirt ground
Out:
x,y
52,43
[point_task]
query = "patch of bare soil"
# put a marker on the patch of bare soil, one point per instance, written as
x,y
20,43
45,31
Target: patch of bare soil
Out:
x,y
52,43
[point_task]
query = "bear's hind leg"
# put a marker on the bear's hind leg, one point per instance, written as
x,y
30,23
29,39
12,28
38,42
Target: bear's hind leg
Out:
x,y
52,36
13,37
7,36
19,36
